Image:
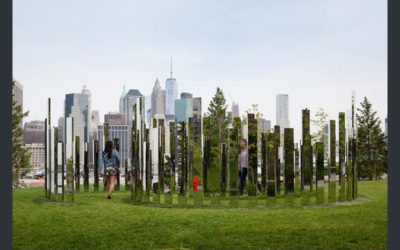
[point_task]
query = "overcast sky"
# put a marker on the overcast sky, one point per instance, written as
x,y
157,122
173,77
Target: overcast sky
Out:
x,y
315,51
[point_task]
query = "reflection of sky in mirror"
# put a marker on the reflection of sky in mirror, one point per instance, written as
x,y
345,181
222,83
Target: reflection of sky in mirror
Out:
x,y
315,51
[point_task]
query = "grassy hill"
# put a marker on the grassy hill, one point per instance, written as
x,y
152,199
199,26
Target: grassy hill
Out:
x,y
93,222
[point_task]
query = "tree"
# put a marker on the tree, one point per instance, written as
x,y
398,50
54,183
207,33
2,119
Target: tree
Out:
x,y
218,115
20,155
319,122
372,147
216,122
217,107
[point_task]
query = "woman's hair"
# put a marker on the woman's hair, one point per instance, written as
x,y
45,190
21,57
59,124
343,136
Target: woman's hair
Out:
x,y
243,140
108,148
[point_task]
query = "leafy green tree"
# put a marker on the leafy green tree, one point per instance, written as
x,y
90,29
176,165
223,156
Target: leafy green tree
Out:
x,y
20,155
217,108
319,123
372,147
216,122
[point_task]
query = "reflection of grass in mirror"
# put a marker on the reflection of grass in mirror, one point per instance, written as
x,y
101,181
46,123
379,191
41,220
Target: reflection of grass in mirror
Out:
x,y
38,224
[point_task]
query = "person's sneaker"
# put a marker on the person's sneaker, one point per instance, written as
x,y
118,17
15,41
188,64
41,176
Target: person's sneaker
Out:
x,y
109,197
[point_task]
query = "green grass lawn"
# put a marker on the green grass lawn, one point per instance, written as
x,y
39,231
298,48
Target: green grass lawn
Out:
x,y
93,222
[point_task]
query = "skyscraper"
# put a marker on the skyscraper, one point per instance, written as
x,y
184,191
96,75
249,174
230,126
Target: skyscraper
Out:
x,y
265,125
127,102
86,92
186,95
183,109
147,109
94,124
282,119
282,111
17,96
121,100
171,89
34,132
121,132
157,100
61,129
77,106
115,119
18,93
235,109
197,116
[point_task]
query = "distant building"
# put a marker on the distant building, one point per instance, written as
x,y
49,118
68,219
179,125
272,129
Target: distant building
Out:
x,y
34,132
265,125
77,106
282,111
197,116
171,94
115,119
157,100
127,102
147,108
17,93
121,132
235,110
183,109
282,119
121,101
17,96
186,95
37,151
61,129
100,135
93,135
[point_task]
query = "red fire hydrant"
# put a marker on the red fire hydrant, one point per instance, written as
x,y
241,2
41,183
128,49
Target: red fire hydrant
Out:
x,y
196,182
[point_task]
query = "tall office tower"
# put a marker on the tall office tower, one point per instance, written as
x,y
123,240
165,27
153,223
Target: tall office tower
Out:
x,y
113,118
94,120
121,100
282,119
18,93
265,125
100,134
235,109
17,96
122,133
37,151
183,109
147,109
94,124
127,104
34,132
86,92
186,95
197,116
282,111
77,106
171,89
60,129
157,100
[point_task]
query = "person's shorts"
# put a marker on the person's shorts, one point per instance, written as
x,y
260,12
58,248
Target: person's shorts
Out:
x,y
110,171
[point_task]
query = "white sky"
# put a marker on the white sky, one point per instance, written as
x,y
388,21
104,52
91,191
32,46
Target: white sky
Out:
x,y
315,51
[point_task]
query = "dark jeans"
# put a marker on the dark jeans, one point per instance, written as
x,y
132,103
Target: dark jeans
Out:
x,y
242,175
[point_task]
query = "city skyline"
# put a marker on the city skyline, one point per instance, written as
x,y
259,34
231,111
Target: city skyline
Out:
x,y
315,52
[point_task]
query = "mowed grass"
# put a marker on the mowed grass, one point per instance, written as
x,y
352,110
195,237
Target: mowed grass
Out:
x,y
93,222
